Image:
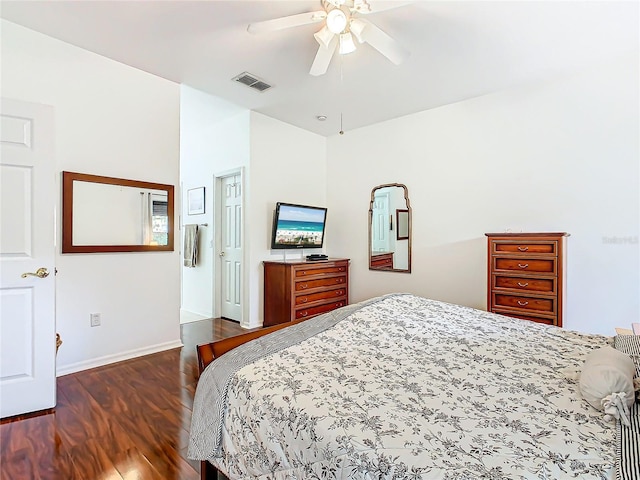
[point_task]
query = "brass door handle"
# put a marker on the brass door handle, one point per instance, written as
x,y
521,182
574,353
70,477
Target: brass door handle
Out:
x,y
40,273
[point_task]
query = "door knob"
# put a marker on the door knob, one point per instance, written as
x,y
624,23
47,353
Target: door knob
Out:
x,y
40,273
221,254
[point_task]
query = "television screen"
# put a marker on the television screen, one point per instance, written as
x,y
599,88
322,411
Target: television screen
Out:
x,y
298,226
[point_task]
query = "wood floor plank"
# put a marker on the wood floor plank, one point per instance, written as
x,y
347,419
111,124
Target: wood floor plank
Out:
x,y
133,465
128,420
21,464
172,464
13,437
55,464
107,391
93,462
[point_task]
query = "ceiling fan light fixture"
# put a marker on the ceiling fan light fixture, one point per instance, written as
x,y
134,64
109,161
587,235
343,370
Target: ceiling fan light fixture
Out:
x,y
346,43
356,27
324,36
361,6
336,21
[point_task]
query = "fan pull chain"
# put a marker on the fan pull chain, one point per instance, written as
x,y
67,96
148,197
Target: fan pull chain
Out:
x,y
341,132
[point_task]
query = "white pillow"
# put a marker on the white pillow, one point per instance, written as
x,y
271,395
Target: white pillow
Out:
x,y
606,382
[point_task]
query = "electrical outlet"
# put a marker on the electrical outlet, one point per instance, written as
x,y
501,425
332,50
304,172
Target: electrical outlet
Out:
x,y
95,319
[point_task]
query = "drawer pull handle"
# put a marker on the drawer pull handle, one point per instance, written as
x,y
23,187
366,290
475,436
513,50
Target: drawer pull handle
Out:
x,y
523,249
523,284
339,304
523,266
338,293
340,280
303,299
522,304
303,285
304,314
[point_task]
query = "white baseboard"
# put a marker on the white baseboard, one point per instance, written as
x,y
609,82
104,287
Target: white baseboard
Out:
x,y
187,317
118,357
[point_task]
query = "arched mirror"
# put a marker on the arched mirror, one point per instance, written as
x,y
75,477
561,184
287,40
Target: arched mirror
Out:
x,y
390,228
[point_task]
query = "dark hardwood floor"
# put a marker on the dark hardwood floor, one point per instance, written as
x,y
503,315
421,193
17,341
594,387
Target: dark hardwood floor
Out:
x,y
128,420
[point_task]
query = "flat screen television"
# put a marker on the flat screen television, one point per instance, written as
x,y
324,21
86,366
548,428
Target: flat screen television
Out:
x,y
298,226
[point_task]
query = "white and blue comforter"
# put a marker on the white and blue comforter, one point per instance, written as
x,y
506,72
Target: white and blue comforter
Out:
x,y
404,388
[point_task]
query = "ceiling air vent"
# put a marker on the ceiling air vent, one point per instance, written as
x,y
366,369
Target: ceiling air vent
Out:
x,y
252,81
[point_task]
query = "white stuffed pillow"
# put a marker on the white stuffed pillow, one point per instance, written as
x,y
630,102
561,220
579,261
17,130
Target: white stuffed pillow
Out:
x,y
606,382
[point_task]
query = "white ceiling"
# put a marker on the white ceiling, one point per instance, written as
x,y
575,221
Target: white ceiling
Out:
x,y
459,49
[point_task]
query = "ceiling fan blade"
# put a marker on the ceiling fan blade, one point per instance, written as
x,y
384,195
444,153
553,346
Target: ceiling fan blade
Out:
x,y
381,6
287,22
323,58
384,44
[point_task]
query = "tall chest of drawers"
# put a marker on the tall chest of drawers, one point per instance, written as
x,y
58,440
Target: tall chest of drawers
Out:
x,y
299,289
526,275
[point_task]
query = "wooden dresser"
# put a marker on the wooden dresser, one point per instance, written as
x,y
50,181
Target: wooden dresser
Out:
x,y
382,261
299,289
526,275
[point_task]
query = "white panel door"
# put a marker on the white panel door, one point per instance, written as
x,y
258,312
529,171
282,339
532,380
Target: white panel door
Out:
x,y
27,303
231,253
380,241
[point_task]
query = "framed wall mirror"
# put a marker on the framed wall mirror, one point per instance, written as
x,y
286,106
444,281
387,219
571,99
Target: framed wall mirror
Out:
x,y
106,214
390,228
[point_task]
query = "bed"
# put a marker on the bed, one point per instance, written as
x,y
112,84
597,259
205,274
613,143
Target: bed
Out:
x,y
400,387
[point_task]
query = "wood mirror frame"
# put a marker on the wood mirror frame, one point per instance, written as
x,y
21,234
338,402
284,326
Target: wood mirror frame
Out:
x,y
68,179
386,260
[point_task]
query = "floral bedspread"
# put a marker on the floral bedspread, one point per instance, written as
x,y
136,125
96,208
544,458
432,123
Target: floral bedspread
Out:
x,y
411,388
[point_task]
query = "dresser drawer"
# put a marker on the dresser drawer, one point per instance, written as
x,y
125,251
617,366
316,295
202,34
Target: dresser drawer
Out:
x,y
303,285
526,284
315,297
534,265
313,311
525,248
521,302
547,320
312,271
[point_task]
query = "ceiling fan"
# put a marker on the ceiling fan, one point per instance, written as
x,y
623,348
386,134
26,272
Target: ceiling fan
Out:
x,y
342,22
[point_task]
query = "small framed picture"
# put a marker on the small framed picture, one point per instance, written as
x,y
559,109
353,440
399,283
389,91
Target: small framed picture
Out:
x,y
195,201
402,223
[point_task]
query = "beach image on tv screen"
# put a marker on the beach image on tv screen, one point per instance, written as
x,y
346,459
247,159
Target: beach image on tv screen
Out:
x,y
299,226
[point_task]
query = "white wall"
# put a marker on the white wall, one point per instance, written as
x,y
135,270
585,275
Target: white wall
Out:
x,y
288,164
112,120
214,137
561,155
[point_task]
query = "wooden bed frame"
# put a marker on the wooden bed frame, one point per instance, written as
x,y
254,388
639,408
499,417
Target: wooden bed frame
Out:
x,y
208,352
